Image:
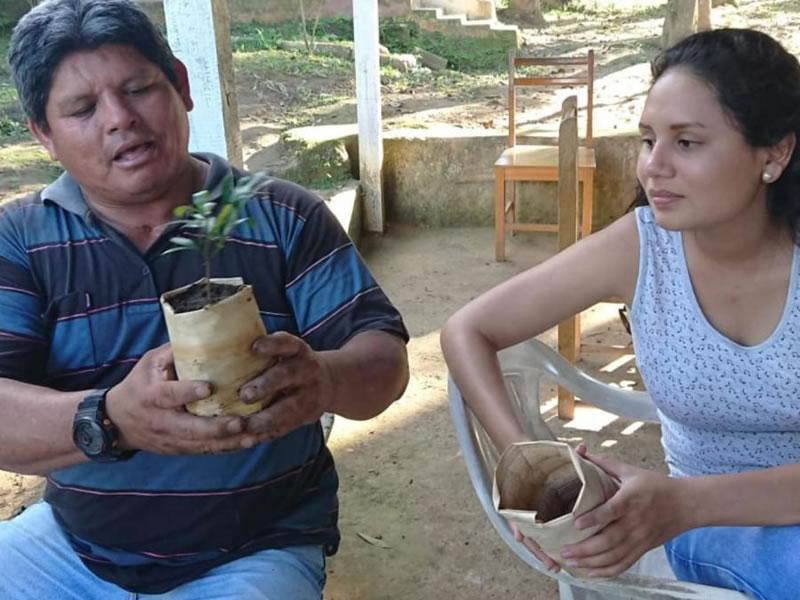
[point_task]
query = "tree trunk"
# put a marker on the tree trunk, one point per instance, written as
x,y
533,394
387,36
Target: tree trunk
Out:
x,y
703,19
679,21
529,12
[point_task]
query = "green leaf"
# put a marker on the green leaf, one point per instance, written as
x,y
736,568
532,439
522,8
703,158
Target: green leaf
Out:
x,y
186,223
180,211
226,192
235,223
199,199
176,249
223,218
184,242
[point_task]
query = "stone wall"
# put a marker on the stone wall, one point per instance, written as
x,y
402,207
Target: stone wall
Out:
x,y
447,180
444,178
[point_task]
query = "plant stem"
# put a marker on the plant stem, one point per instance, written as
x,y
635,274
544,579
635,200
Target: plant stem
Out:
x,y
207,264
208,282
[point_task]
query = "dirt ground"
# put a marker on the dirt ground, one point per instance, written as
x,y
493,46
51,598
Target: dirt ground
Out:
x,y
402,478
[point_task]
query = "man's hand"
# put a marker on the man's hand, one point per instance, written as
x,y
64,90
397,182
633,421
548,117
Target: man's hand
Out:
x,y
148,409
645,512
294,390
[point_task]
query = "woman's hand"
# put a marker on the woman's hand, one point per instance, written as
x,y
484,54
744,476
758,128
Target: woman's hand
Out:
x,y
648,510
535,549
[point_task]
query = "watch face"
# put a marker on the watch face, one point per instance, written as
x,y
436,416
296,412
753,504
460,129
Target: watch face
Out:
x,y
89,437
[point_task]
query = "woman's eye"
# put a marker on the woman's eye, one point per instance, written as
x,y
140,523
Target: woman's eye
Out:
x,y
685,144
648,142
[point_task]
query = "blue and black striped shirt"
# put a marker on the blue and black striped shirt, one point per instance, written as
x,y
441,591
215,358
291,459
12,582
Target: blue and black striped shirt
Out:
x,y
79,306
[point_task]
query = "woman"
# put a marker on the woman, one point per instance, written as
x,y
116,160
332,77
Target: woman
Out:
x,y
708,266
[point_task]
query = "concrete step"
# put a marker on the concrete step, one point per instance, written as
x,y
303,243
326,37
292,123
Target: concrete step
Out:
x,y
451,23
472,9
440,15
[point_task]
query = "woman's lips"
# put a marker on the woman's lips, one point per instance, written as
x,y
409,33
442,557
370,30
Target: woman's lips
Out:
x,y
663,197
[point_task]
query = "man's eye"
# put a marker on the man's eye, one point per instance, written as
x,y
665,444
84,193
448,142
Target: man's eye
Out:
x,y
139,90
84,111
648,142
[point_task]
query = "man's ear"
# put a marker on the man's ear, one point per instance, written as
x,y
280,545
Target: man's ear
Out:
x,y
43,135
182,83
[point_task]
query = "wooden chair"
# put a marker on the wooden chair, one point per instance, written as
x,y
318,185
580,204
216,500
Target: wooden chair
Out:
x,y
524,366
540,162
569,331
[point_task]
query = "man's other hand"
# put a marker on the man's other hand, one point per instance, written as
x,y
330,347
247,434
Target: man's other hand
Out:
x,y
294,390
148,409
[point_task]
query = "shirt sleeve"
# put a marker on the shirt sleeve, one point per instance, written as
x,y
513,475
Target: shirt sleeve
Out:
x,y
23,336
332,292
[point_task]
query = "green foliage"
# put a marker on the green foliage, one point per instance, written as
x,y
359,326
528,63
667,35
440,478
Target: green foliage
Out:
x,y
254,37
11,129
12,124
465,54
212,220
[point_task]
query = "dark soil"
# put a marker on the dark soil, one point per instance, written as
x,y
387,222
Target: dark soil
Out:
x,y
198,296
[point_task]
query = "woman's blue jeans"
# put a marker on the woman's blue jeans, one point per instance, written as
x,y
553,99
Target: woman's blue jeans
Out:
x,y
761,562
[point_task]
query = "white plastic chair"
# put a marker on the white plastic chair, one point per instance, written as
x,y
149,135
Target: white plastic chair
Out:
x,y
523,367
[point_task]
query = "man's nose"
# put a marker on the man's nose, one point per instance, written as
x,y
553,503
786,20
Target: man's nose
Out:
x,y
118,114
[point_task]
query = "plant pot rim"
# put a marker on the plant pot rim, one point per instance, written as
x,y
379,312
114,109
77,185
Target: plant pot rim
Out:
x,y
576,465
167,296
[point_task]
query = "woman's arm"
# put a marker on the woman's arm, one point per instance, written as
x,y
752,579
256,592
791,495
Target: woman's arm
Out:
x,y
763,497
596,268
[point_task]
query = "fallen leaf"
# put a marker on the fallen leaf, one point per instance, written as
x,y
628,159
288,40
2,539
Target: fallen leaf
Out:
x,y
372,540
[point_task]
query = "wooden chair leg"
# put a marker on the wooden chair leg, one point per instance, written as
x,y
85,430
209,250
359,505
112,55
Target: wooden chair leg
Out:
x,y
512,204
588,198
569,344
499,215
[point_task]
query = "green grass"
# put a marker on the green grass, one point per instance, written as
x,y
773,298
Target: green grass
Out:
x,y
397,34
289,62
465,54
12,121
254,37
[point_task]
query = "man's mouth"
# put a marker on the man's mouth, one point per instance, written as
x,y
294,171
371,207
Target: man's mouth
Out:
x,y
133,153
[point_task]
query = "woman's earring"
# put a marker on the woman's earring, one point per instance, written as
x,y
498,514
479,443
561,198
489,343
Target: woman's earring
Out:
x,y
766,177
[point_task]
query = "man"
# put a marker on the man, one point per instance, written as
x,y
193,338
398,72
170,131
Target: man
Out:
x,y
167,503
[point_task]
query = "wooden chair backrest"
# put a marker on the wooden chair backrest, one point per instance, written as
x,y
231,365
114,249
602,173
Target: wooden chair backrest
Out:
x,y
568,173
585,78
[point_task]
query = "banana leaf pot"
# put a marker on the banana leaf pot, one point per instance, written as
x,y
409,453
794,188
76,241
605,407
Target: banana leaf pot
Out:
x,y
211,331
542,487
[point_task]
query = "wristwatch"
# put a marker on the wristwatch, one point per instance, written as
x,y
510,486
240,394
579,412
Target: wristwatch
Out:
x,y
93,432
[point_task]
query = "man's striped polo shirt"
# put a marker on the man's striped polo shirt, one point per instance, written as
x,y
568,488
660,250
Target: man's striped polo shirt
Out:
x,y
79,306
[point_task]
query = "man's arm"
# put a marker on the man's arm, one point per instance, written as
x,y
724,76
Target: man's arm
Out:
x,y
147,407
36,428
368,374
